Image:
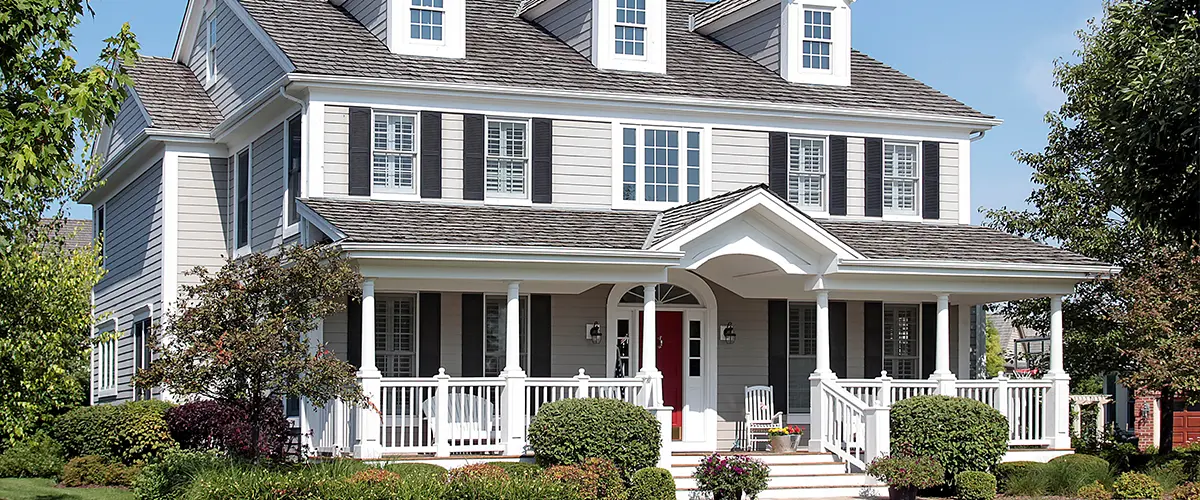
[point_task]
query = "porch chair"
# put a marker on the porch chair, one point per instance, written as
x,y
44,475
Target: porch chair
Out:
x,y
471,419
760,414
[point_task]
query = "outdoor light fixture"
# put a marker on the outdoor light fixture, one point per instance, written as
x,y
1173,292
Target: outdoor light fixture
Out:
x,y
594,334
727,334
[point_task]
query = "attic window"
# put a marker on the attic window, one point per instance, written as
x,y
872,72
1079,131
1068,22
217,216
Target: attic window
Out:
x,y
426,19
630,32
818,38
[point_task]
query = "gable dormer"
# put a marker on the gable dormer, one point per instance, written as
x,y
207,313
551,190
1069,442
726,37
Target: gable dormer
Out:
x,y
804,41
431,28
622,35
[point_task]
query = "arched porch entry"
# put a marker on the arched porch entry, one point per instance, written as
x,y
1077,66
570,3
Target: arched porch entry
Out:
x,y
686,324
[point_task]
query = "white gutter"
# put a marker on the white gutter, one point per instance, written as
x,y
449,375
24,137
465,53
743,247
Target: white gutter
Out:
x,y
899,265
543,254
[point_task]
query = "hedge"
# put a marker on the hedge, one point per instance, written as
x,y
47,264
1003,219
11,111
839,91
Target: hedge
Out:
x,y
38,456
1009,472
652,483
973,485
961,434
569,431
128,433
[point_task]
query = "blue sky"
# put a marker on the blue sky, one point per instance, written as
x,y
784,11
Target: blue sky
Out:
x,y
995,56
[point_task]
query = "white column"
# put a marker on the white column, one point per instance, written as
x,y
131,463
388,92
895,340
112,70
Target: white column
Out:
x,y
649,329
369,420
513,430
1059,414
817,380
823,332
512,330
941,371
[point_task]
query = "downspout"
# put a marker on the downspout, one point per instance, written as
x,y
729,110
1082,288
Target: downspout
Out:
x,y
303,105
975,138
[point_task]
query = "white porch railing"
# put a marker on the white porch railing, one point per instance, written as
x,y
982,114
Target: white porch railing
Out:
x,y
540,391
872,390
841,423
331,428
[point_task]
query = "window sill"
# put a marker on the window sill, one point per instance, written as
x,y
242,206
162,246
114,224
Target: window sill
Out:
x,y
106,393
656,206
905,217
394,196
291,230
505,201
241,252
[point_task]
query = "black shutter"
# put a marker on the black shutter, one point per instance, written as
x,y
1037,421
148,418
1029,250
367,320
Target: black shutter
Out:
x,y
354,332
777,166
360,152
539,335
837,338
431,154
837,175
873,338
543,161
874,174
931,170
429,307
777,349
473,143
928,339
472,335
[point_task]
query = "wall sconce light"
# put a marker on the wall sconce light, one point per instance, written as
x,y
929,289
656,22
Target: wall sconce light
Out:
x,y
727,334
594,334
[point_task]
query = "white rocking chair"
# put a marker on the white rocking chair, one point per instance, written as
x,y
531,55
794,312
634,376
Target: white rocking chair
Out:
x,y
469,418
760,414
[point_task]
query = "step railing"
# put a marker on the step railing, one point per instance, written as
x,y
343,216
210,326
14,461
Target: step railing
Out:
x,y
329,428
842,424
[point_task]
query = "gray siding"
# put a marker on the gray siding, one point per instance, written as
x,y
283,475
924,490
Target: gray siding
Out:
x,y
133,260
743,365
337,151
856,177
452,156
130,121
244,67
452,333
203,214
266,191
569,350
583,164
948,197
756,37
337,337
371,13
571,22
739,159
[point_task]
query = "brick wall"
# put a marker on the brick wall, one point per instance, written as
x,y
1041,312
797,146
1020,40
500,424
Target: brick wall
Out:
x,y
1145,423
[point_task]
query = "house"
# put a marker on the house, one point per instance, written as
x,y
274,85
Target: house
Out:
x,y
665,201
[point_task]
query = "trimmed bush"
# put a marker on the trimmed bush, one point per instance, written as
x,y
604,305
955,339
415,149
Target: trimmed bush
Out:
x,y
476,471
94,470
1063,476
569,431
170,476
1094,491
610,485
216,425
961,434
1169,474
38,456
518,469
409,470
1007,472
1134,486
584,483
129,433
907,473
1186,491
973,485
652,483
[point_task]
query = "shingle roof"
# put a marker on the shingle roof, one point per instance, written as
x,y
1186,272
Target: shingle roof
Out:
x,y
503,49
78,232
675,220
173,96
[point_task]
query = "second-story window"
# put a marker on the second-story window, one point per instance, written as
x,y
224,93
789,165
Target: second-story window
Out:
x,y
631,28
293,168
395,153
507,158
806,172
242,185
660,165
900,177
818,39
425,19
98,224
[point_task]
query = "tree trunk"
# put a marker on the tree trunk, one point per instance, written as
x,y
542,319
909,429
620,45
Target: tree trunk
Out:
x,y
1166,422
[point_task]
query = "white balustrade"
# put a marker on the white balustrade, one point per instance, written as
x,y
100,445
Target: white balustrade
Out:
x,y
330,428
843,423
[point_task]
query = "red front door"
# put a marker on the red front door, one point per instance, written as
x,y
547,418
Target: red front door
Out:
x,y
670,362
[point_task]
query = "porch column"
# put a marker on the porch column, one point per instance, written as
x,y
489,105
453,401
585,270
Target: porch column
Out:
x,y
823,375
512,331
1058,415
941,371
513,432
650,343
823,332
369,421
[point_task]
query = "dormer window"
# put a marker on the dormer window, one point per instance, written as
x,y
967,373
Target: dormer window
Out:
x,y
429,28
426,18
630,34
818,39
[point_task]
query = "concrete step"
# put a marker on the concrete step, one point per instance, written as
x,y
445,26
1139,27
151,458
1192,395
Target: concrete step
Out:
x,y
782,481
802,469
692,459
801,492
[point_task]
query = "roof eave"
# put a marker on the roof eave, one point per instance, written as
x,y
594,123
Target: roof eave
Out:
x,y
494,253
1080,272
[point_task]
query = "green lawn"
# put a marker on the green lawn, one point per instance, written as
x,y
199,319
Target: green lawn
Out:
x,y
44,489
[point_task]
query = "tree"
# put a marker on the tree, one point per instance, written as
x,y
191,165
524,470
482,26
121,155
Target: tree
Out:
x,y
240,335
995,353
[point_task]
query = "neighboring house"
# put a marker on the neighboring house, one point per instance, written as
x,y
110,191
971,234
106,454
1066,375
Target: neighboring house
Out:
x,y
681,199
78,232
1019,344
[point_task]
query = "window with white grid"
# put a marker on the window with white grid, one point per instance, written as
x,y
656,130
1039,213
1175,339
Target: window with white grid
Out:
x,y
106,360
425,19
394,156
806,172
802,354
662,164
507,158
900,176
396,335
902,341
630,33
495,326
818,39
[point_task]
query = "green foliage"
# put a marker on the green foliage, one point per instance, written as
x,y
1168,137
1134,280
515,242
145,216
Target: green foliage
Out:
x,y
1169,474
1186,491
242,336
726,476
47,489
652,483
129,432
1008,472
167,478
974,485
907,471
995,352
489,482
38,456
961,434
610,484
1094,491
515,469
408,470
583,483
1134,485
1063,476
93,470
569,431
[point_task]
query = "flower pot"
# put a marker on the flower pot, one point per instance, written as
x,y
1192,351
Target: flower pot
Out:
x,y
782,444
902,493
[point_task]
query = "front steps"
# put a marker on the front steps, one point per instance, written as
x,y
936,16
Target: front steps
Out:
x,y
797,475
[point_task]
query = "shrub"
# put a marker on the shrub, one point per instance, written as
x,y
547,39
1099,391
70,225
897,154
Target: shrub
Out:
x,y
38,456
1133,485
1094,491
1169,474
652,483
961,434
222,426
374,476
409,470
87,430
584,483
518,469
1007,472
171,475
724,476
94,470
1063,476
130,432
476,471
610,484
1186,491
569,431
907,472
972,485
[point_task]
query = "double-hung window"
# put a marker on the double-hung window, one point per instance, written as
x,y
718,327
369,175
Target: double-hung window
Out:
x,y
660,165
818,39
293,169
495,326
806,172
396,335
106,359
141,353
802,355
507,163
900,176
210,55
630,28
394,159
426,19
242,185
902,341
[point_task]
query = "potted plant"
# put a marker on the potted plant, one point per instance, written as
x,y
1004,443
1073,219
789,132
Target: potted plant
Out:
x,y
905,475
727,478
783,439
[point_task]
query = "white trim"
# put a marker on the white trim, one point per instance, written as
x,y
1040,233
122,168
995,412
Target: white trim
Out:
x,y
210,51
964,182
187,31
307,214
821,210
384,193
508,253
791,43
261,35
170,227
900,266
604,24
133,96
313,150
243,250
618,164
453,44
918,198
100,329
497,198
